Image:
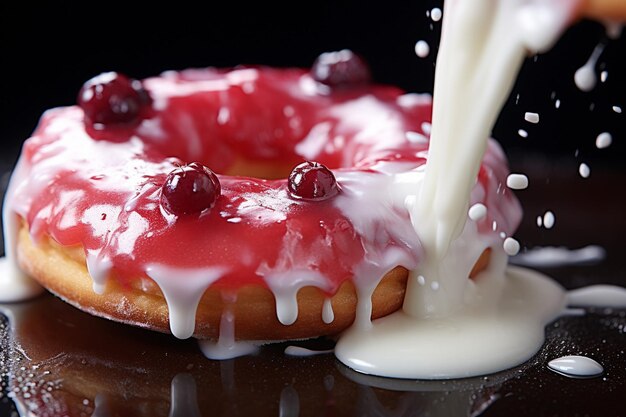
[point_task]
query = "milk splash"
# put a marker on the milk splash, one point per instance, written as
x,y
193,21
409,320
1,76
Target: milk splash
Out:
x,y
483,45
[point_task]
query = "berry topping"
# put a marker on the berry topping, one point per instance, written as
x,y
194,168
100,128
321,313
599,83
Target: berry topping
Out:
x,y
112,99
340,69
190,189
312,181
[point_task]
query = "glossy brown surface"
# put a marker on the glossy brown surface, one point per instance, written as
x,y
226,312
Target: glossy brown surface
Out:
x,y
57,361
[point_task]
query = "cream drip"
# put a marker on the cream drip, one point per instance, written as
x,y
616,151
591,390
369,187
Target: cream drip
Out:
x,y
183,289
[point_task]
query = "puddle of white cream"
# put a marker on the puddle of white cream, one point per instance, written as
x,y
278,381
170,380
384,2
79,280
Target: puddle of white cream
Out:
x,y
487,336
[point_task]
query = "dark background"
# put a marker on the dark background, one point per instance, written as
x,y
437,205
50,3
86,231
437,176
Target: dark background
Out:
x,y
48,51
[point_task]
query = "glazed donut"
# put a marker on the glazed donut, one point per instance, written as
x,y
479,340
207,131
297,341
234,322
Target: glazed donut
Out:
x,y
173,203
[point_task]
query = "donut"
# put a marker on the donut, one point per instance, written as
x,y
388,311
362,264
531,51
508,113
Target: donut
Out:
x,y
264,203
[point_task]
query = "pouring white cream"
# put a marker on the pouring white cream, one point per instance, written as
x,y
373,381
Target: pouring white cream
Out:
x,y
451,326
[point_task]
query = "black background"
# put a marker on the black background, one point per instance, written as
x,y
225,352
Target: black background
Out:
x,y
48,51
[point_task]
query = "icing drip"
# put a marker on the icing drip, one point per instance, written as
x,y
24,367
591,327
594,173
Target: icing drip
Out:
x,y
328,315
226,346
183,289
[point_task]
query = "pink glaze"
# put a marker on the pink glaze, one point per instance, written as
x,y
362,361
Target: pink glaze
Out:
x,y
104,193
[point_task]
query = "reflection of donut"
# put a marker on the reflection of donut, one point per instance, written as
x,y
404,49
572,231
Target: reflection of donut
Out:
x,y
98,185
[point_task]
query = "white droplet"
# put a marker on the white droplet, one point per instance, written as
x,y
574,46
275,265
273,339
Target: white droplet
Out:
x,y
576,366
557,104
434,285
617,109
603,76
584,170
436,14
511,246
422,49
522,133
517,181
585,78
477,212
548,219
421,280
539,221
604,140
531,117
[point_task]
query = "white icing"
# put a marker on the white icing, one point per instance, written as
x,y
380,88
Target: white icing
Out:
x,y
551,256
608,296
517,181
502,330
604,140
304,352
227,347
285,286
576,366
183,289
15,285
522,133
617,109
328,315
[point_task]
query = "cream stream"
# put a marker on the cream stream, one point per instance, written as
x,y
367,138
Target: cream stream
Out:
x,y
451,326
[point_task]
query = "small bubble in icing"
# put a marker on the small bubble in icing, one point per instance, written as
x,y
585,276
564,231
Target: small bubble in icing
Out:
x,y
548,219
522,133
511,246
604,140
531,117
436,14
584,170
477,212
517,181
421,280
422,49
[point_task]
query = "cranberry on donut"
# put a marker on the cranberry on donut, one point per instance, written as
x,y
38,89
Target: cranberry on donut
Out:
x,y
274,196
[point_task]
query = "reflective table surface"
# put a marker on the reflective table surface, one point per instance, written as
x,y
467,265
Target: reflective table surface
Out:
x,y
58,361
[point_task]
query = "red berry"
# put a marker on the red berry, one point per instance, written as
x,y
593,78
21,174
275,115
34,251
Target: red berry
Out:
x,y
312,181
190,189
112,99
341,69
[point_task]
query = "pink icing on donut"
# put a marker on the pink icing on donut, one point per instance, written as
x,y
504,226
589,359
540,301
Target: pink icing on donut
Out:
x,y
102,189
